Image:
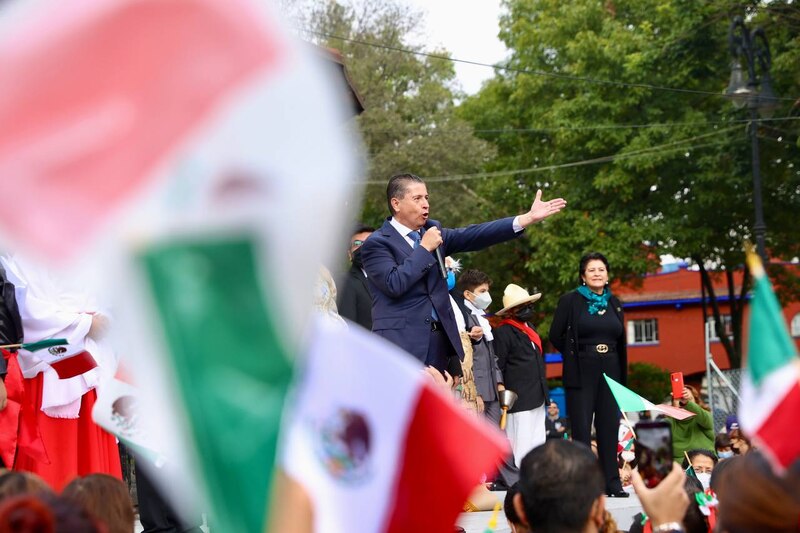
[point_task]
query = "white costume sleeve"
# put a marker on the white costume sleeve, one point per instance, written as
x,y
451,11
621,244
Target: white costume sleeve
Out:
x,y
47,311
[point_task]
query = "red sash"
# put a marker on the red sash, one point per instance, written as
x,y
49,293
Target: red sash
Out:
x,y
527,330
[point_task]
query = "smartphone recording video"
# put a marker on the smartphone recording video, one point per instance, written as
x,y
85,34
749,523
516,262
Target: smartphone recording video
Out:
x,y
653,451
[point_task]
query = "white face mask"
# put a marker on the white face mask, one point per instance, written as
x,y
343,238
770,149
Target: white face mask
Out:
x,y
482,300
704,479
725,455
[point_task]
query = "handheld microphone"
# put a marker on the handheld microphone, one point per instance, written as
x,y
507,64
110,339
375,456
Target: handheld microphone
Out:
x,y
438,253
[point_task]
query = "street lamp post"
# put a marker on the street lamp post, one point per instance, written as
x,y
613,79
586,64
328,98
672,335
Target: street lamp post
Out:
x,y
752,48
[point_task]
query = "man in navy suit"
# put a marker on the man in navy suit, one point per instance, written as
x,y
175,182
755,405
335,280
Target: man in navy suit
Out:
x,y
410,302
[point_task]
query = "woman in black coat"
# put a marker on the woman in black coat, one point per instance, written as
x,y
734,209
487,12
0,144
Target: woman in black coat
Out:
x,y
589,331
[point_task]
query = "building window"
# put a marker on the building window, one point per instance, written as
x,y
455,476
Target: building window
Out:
x,y
727,325
643,331
796,325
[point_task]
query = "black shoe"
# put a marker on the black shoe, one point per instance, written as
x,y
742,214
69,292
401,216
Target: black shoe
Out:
x,y
497,485
617,494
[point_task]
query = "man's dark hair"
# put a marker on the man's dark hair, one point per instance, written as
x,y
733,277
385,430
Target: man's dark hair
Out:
x,y
396,188
361,228
471,279
722,440
508,505
559,482
593,256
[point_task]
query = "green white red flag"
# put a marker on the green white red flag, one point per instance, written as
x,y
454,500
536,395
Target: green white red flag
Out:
x,y
380,448
770,406
628,401
227,148
216,146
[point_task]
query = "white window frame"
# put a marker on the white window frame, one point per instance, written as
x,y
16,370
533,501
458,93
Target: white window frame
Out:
x,y
795,327
643,331
712,327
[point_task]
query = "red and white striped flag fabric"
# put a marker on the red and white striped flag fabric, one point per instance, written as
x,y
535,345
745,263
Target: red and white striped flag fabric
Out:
x,y
213,156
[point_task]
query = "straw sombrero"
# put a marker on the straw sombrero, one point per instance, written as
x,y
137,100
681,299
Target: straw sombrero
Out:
x,y
514,296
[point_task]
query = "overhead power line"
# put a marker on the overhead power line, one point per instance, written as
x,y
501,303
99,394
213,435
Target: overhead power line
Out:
x,y
549,129
667,147
632,126
520,70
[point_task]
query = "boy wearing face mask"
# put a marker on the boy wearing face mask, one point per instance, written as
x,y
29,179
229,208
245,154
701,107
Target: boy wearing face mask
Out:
x,y
520,358
472,295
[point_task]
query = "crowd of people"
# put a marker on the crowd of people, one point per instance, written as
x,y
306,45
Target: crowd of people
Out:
x,y
403,287
561,489
59,466
63,471
96,503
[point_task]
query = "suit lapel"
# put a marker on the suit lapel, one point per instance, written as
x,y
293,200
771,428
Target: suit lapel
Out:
x,y
395,238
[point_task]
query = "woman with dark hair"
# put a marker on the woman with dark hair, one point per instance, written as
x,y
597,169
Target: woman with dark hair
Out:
x,y
589,330
753,498
693,521
703,463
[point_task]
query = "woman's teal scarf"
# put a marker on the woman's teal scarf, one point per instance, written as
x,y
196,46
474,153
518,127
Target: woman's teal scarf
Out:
x,y
598,303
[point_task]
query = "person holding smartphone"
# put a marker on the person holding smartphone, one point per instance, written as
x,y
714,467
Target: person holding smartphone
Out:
x,y
589,330
693,433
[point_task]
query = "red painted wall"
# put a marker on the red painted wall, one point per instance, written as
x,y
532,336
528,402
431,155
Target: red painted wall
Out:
x,y
681,345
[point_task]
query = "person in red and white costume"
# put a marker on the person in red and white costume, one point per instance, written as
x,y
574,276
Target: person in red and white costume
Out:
x,y
74,445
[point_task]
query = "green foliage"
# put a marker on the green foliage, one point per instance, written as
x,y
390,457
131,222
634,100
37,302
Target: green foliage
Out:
x,y
408,100
637,192
649,381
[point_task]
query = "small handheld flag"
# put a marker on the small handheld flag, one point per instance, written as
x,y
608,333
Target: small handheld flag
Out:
x,y
627,400
36,346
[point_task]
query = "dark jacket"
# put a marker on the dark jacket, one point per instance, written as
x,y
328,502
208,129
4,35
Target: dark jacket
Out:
x,y
551,428
565,336
406,285
10,321
354,301
484,361
522,366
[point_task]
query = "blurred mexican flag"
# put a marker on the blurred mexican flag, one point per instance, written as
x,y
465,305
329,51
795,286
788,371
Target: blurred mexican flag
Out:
x,y
204,160
202,153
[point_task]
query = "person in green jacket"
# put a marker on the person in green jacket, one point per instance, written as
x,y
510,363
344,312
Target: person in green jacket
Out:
x,y
694,433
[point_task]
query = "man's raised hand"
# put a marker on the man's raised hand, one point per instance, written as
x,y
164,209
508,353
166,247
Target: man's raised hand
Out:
x,y
540,210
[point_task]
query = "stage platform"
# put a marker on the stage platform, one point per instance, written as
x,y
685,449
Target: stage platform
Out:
x,y
622,509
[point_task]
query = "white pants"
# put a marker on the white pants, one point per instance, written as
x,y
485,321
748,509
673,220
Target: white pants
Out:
x,y
526,431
